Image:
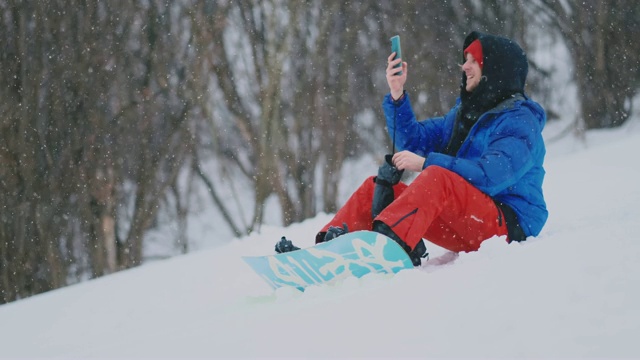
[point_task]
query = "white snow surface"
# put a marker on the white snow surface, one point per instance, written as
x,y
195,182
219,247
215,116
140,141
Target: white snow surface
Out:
x,y
574,291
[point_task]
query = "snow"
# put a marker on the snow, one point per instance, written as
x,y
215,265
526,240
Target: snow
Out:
x,y
571,292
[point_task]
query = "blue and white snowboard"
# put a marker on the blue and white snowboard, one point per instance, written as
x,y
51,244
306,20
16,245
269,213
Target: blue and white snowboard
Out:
x,y
354,254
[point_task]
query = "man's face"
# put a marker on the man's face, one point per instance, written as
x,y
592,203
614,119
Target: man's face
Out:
x,y
472,69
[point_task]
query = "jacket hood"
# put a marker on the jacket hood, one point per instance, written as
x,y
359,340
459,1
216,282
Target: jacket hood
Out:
x,y
537,111
504,72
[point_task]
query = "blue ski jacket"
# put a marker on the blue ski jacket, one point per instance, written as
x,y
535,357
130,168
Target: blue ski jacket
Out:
x,y
501,156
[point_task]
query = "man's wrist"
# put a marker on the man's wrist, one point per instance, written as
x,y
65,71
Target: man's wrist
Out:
x,y
399,97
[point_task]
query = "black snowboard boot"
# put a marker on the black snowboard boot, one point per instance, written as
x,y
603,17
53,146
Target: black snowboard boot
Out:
x,y
416,255
420,252
285,245
334,231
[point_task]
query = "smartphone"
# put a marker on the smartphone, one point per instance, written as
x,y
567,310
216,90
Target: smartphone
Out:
x,y
395,47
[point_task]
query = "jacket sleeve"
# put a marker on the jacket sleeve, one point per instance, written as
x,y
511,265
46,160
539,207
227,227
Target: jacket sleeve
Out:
x,y
507,156
419,137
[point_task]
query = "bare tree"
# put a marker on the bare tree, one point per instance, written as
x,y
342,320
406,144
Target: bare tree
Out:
x,y
287,93
94,134
602,38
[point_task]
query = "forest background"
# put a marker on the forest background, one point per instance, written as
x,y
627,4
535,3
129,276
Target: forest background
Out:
x,y
114,116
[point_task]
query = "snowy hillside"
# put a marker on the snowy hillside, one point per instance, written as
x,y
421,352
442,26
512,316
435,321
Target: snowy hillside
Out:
x,y
572,292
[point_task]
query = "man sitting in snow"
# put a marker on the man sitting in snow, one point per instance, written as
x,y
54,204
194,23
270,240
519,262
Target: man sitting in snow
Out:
x,y
480,165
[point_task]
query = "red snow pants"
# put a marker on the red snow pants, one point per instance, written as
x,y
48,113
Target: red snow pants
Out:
x,y
439,206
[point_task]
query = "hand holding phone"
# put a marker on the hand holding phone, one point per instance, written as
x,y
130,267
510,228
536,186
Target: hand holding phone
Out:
x,y
395,48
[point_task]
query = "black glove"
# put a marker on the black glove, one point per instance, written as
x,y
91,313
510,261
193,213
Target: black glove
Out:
x,y
388,175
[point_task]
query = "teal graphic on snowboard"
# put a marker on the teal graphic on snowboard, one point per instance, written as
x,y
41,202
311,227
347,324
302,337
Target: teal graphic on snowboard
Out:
x,y
354,254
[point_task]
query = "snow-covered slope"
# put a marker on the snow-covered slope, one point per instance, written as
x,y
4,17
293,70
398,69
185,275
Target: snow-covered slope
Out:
x,y
573,291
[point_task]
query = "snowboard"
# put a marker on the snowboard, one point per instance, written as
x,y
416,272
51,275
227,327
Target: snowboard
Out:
x,y
356,254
